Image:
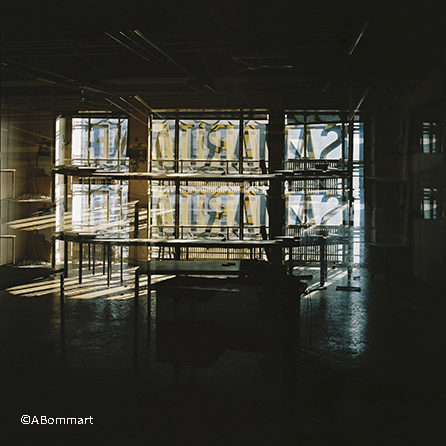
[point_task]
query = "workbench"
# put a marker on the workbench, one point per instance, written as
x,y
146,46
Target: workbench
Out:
x,y
108,242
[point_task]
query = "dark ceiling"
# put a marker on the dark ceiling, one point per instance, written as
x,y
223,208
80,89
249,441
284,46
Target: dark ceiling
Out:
x,y
64,57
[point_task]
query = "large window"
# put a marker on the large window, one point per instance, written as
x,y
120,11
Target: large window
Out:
x,y
98,142
208,145
231,145
318,143
93,206
208,209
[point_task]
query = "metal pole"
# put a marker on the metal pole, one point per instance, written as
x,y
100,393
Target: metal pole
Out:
x,y
94,258
350,188
53,252
322,241
65,256
103,258
149,309
62,317
177,187
80,260
109,263
135,321
241,148
65,192
121,249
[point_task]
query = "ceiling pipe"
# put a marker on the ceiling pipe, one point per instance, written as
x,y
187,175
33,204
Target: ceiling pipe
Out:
x,y
356,109
60,76
143,37
141,101
139,46
131,105
126,46
126,111
364,29
181,67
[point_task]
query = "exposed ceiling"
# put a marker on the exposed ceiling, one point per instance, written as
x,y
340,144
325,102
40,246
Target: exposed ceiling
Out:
x,y
64,57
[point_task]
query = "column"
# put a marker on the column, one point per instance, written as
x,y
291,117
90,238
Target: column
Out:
x,y
138,147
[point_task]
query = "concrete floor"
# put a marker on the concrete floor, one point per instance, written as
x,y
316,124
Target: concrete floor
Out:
x,y
224,369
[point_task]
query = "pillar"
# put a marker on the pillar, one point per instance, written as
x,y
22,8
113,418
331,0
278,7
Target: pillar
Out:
x,y
276,202
138,150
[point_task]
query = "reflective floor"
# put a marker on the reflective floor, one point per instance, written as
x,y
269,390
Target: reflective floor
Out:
x,y
222,367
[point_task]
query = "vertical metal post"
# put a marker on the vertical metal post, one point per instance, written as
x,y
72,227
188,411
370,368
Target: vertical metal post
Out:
x,y
53,187
109,263
135,321
350,187
94,258
103,258
136,230
344,195
62,317
80,259
149,308
119,150
150,142
121,250
241,142
65,192
322,242
89,142
53,252
65,256
443,148
241,148
177,187
276,205
89,213
53,201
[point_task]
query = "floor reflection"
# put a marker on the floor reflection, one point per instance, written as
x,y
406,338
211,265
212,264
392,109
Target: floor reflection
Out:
x,y
226,358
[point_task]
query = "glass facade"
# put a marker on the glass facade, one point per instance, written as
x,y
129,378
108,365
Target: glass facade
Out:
x,y
326,201
240,210
320,206
94,206
208,209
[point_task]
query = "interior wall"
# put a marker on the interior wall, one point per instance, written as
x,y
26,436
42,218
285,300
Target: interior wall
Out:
x,y
384,182
426,236
27,147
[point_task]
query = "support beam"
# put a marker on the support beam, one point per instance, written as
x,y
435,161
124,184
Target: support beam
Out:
x,y
276,203
138,150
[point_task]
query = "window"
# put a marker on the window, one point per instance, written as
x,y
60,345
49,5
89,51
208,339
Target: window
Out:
x,y
94,206
215,209
431,137
318,142
431,204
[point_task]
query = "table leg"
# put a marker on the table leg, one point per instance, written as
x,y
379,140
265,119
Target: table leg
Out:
x,y
62,317
65,257
149,309
121,250
80,261
322,261
109,263
103,259
53,252
290,260
94,258
135,321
